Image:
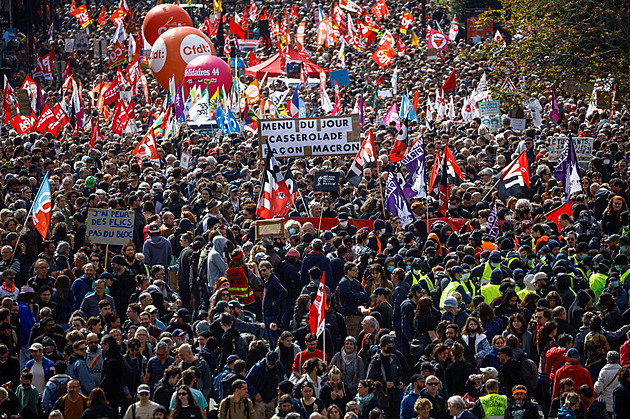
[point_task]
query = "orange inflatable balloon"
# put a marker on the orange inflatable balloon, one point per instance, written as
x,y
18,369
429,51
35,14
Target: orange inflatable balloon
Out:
x,y
162,18
174,49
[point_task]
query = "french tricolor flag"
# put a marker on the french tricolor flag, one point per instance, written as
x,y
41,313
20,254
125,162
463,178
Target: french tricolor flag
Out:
x,y
294,107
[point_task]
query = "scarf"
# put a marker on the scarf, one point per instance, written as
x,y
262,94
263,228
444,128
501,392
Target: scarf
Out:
x,y
10,290
363,401
348,358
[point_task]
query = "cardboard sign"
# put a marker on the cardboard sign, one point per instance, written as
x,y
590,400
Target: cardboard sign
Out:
x,y
81,42
518,123
431,54
270,228
68,45
185,161
492,122
105,226
24,102
340,76
300,137
326,181
583,148
489,108
100,49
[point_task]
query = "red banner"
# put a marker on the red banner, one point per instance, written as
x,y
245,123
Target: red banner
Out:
x,y
328,223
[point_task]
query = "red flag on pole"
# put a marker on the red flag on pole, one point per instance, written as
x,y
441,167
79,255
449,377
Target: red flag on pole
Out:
x,y
450,83
317,313
555,214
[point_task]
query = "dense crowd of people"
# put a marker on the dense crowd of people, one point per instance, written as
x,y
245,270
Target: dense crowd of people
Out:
x,y
198,317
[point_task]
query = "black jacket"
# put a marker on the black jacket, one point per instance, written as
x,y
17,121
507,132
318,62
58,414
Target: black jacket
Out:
x,y
163,392
115,375
528,411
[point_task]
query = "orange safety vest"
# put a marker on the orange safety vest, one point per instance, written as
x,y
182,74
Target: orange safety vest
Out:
x,y
239,285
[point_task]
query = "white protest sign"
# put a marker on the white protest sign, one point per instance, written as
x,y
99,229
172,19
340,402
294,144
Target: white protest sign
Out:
x,y
518,123
299,137
68,45
105,226
583,147
185,161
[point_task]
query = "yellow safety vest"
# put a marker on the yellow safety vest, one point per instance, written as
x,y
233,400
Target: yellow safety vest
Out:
x,y
623,277
523,293
494,406
470,287
489,292
428,281
452,286
487,274
597,283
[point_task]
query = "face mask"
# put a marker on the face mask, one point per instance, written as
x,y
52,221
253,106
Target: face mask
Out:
x,y
325,208
482,261
614,284
416,271
465,276
524,259
370,260
389,350
622,249
493,265
408,268
390,246
595,267
292,231
606,161
382,231
583,257
343,224
390,269
618,268
508,218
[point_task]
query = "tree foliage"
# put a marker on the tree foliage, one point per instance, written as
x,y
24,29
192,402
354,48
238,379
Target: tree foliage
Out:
x,y
557,40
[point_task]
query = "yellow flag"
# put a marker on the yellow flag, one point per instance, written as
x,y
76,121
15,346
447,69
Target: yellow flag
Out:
x,y
218,6
414,39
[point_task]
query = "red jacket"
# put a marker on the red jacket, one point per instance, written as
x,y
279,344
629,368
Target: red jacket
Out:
x,y
556,358
576,372
625,353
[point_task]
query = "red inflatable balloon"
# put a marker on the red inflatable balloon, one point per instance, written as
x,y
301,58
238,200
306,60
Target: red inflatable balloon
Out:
x,y
174,49
162,18
210,71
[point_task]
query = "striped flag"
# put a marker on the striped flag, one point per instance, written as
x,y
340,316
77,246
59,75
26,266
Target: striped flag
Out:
x,y
41,207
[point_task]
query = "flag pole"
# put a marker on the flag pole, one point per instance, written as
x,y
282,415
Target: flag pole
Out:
x,y
321,215
380,184
29,213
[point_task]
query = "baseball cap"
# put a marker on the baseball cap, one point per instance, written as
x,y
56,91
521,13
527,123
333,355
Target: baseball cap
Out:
x,y
427,366
271,357
450,302
36,347
506,350
235,303
491,371
379,291
261,256
457,270
178,333
231,359
144,388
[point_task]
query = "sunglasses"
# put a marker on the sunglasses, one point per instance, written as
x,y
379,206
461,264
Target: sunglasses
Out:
x,y
182,394
433,384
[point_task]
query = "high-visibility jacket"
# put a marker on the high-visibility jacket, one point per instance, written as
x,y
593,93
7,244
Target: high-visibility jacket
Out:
x,y
489,292
624,275
597,283
487,274
494,405
239,285
452,286
427,279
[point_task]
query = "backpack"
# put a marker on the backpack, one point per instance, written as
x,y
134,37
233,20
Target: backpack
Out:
x,y
240,348
529,372
61,388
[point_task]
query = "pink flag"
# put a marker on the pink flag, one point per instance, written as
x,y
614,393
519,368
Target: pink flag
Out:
x,y
555,109
392,115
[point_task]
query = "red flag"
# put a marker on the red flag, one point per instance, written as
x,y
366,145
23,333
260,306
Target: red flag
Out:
x,y
61,115
101,18
275,197
253,60
118,15
450,83
45,119
112,93
397,153
317,313
23,124
96,132
283,53
8,98
519,168
380,9
443,196
120,118
235,29
437,40
555,214
415,100
147,147
405,22
384,55
82,15
67,71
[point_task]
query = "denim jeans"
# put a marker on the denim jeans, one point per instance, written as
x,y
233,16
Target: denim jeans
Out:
x,y
267,333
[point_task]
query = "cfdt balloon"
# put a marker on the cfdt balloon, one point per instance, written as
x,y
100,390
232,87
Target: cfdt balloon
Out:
x,y
174,49
162,18
210,71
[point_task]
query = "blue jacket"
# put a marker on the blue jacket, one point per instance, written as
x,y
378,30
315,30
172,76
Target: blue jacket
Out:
x,y
406,406
492,327
50,391
352,296
80,288
318,259
49,367
89,306
157,251
78,369
27,320
566,413
274,295
398,296
256,377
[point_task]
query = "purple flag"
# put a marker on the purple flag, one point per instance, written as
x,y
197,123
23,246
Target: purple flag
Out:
x,y
362,110
492,227
392,115
179,103
396,202
567,171
555,109
415,163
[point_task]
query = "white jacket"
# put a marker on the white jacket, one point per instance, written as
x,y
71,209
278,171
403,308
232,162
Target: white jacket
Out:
x,y
606,383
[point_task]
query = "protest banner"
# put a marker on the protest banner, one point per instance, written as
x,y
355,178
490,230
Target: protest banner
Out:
x,y
489,108
320,136
326,181
106,226
583,148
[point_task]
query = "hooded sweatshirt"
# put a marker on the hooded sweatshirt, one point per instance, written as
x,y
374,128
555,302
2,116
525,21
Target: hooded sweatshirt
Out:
x,y
217,266
157,251
577,309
